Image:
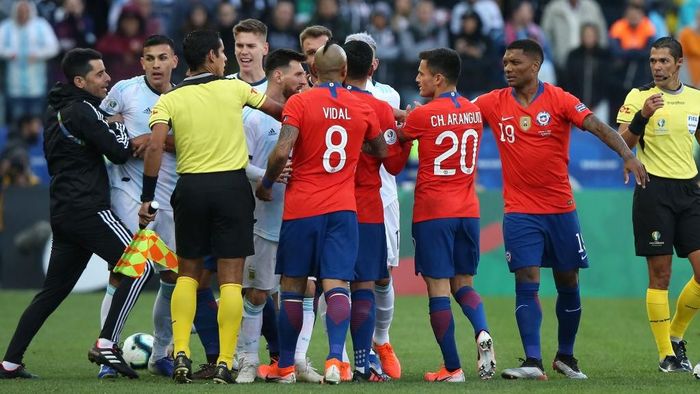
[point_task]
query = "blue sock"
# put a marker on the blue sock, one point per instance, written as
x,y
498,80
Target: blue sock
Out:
x,y
362,316
269,328
443,324
291,318
569,315
473,308
337,320
528,314
205,321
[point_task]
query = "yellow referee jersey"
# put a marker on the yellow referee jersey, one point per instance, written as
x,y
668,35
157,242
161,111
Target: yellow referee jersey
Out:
x,y
668,137
205,114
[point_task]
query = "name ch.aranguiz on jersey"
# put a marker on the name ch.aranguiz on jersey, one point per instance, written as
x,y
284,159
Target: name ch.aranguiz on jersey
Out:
x,y
455,118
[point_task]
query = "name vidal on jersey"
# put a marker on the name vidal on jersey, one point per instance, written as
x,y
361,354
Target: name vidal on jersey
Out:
x,y
455,118
335,113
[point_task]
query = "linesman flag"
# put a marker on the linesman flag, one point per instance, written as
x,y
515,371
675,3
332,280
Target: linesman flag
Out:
x,y
145,246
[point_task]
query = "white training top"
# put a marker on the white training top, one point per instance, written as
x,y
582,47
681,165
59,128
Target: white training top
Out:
x,y
133,99
261,133
386,93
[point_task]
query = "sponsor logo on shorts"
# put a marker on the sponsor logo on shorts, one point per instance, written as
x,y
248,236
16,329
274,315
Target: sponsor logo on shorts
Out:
x,y
508,256
656,239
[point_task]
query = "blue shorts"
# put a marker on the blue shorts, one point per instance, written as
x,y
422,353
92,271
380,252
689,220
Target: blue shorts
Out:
x,y
446,247
324,246
371,256
210,263
552,241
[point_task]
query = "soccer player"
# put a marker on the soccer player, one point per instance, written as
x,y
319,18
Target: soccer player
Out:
x,y
211,166
76,137
662,118
133,100
327,127
531,121
446,209
310,39
384,288
371,265
285,78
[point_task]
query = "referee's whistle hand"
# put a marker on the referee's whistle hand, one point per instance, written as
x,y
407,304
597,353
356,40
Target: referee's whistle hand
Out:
x,y
638,170
144,216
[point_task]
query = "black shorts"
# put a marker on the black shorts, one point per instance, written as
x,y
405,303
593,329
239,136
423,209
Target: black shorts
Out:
x,y
666,215
213,215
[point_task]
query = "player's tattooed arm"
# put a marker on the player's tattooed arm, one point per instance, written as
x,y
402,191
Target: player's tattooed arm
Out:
x,y
376,147
277,161
612,139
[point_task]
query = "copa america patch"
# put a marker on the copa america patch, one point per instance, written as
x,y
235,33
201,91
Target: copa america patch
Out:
x,y
390,137
543,118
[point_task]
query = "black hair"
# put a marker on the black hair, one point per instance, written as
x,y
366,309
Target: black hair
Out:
x,y
529,47
281,58
196,47
76,62
159,39
360,56
443,61
672,44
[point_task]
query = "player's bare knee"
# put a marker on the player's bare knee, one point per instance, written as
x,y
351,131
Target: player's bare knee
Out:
x,y
295,285
460,281
383,282
367,285
437,287
566,279
115,279
168,276
528,275
257,296
310,288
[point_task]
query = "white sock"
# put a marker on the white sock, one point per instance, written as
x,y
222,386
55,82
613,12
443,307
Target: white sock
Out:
x,y
106,304
8,366
307,329
249,336
676,339
384,301
104,343
162,323
322,307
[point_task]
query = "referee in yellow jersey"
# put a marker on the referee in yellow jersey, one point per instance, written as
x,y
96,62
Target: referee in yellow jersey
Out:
x,y
212,203
662,119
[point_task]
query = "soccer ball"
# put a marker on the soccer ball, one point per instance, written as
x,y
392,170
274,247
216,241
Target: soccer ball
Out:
x,y
696,371
137,350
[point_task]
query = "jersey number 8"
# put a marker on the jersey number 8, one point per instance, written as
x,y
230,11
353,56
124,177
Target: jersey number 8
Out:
x,y
437,168
335,148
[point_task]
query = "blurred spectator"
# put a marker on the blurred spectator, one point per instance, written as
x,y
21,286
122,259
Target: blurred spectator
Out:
x,y
14,168
388,50
143,7
254,9
488,11
562,21
588,70
356,12
227,17
521,25
630,41
422,34
656,10
690,41
686,14
478,57
121,50
27,136
99,12
74,28
197,19
402,15
328,15
27,42
281,31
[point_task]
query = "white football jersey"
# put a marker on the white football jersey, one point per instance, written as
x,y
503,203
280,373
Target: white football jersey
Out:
x,y
386,93
260,86
261,132
133,99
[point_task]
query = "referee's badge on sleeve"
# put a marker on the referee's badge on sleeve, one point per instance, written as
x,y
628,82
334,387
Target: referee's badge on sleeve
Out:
x,y
692,123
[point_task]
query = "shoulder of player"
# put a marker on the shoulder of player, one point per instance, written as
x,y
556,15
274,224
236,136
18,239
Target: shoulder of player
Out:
x,y
125,84
645,87
692,89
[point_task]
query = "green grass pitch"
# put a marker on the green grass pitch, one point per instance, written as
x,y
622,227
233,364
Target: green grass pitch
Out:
x,y
615,348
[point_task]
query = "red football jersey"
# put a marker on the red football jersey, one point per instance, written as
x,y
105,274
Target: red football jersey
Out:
x,y
448,130
332,125
367,180
533,142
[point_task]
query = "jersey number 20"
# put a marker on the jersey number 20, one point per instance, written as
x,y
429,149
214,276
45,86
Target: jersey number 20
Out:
x,y
450,135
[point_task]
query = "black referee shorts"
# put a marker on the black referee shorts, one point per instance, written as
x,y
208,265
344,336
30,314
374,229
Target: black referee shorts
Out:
x,y
666,215
213,215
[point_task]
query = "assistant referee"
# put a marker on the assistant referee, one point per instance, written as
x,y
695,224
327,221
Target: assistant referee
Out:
x,y
662,118
212,202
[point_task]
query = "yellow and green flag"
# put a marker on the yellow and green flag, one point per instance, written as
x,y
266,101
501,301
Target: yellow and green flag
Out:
x,y
146,245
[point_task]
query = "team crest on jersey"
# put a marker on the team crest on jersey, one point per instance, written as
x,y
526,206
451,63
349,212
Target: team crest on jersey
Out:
x,y
112,103
390,137
543,118
525,123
